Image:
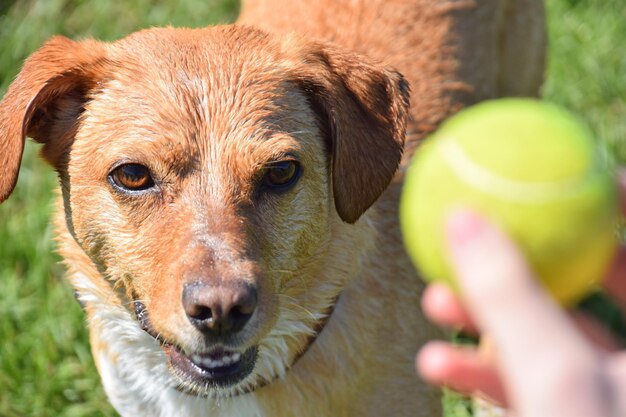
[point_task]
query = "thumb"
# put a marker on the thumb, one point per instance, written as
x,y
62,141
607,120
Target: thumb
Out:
x,y
507,303
495,280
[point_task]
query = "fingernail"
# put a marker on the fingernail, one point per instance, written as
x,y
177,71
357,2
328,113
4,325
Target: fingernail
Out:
x,y
463,226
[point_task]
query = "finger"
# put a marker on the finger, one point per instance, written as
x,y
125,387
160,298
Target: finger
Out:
x,y
497,283
595,331
443,307
616,370
462,369
615,281
533,337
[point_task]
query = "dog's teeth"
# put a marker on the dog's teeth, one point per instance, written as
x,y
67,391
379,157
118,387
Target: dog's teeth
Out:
x,y
210,363
216,364
225,360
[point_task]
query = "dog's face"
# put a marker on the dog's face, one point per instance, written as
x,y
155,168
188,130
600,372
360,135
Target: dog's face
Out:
x,y
212,178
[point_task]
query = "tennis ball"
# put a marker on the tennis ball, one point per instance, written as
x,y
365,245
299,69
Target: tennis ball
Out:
x,y
531,168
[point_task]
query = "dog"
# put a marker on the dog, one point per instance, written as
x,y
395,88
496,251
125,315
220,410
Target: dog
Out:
x,y
229,195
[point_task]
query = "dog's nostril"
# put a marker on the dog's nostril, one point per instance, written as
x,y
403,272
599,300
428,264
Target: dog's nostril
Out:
x,y
237,312
201,313
239,316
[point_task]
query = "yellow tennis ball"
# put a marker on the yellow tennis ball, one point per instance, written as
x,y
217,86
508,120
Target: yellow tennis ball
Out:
x,y
531,168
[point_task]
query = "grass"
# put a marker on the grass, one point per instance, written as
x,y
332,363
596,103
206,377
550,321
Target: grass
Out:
x,y
45,365
586,71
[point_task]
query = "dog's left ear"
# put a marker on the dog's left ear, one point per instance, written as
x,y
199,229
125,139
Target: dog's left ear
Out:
x,y
363,110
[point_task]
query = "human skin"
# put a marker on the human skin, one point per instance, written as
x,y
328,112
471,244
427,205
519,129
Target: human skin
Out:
x,y
543,361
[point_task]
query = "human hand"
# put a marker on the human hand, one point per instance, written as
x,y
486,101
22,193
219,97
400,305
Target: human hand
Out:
x,y
544,364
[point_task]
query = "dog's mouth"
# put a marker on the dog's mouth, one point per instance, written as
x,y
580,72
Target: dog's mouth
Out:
x,y
219,368
201,373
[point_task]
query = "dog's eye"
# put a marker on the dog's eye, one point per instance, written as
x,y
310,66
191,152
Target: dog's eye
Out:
x,y
132,177
281,175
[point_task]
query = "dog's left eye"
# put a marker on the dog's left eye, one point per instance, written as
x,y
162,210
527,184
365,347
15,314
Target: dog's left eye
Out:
x,y
132,177
281,175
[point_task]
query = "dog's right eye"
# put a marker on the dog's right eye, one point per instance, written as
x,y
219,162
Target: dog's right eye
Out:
x,y
132,177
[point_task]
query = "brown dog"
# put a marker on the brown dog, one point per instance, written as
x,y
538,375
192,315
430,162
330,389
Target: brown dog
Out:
x,y
227,217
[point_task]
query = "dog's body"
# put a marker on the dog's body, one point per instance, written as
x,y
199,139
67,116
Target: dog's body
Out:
x,y
269,202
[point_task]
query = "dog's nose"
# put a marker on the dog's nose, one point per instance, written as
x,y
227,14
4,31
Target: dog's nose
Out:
x,y
219,309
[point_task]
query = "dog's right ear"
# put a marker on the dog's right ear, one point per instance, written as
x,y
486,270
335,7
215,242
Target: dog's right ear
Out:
x,y
45,101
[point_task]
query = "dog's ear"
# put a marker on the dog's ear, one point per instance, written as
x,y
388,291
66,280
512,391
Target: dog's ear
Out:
x,y
45,101
363,110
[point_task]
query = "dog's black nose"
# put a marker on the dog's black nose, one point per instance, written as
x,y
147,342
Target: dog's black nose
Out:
x,y
219,309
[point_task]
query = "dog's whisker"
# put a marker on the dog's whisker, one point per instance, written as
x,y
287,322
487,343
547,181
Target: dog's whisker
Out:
x,y
295,303
281,271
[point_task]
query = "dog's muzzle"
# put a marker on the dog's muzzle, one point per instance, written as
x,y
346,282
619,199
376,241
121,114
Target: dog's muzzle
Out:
x,y
220,368
200,373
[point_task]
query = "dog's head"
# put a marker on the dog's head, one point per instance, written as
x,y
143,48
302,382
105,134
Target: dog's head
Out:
x,y
213,178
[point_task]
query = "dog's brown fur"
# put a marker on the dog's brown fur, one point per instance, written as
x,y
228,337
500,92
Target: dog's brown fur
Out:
x,y
206,111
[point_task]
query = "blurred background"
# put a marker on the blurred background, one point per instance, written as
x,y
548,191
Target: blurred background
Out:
x,y
45,363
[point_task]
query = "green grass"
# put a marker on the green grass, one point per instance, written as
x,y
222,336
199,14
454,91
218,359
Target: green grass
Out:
x,y
587,66
45,365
